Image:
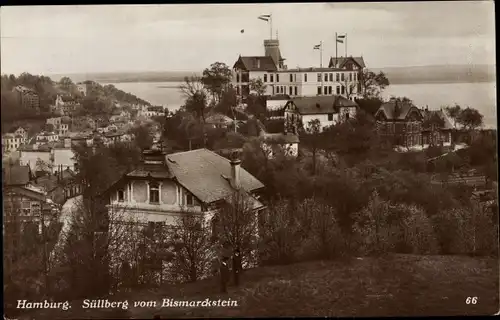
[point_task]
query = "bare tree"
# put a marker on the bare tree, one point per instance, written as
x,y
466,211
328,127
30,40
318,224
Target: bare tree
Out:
x,y
196,95
191,240
237,226
348,88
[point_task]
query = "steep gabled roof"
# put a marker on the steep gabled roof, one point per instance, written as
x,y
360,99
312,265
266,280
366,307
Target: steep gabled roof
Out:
x,y
388,108
321,104
256,63
427,114
204,173
343,60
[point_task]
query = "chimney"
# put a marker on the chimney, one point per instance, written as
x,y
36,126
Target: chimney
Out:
x,y
235,172
67,142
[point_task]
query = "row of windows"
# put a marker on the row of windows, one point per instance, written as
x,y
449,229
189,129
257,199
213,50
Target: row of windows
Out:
x,y
154,195
326,77
329,90
282,90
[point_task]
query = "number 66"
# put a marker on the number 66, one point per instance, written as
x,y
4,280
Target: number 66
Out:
x,y
471,300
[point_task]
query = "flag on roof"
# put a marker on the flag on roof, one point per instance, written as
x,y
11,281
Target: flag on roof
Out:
x,y
264,17
317,47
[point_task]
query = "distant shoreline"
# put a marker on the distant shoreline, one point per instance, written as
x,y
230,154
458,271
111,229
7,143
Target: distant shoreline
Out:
x,y
407,81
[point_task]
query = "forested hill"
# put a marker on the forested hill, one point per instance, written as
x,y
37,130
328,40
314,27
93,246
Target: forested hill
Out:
x,y
48,90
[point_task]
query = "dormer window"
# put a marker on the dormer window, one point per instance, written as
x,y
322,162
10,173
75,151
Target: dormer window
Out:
x,y
121,195
154,192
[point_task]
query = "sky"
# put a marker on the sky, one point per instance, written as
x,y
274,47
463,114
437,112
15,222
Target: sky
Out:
x,y
130,38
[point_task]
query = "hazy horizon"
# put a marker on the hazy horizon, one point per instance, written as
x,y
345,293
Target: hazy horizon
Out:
x,y
188,38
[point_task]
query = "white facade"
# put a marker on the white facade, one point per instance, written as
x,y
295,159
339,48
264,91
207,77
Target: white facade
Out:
x,y
63,157
30,157
303,82
274,105
325,120
11,142
47,137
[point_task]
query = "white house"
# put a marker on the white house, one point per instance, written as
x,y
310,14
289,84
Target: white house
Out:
x,y
12,141
167,186
47,137
329,110
33,154
341,77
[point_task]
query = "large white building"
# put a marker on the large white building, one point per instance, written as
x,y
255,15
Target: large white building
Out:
x,y
341,77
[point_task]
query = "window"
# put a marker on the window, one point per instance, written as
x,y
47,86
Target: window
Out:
x,y
265,78
277,78
291,77
237,77
154,192
290,90
355,77
319,90
338,90
338,77
121,195
331,77
330,117
325,91
342,77
295,90
330,90
272,79
342,90
326,77
189,199
305,77
319,77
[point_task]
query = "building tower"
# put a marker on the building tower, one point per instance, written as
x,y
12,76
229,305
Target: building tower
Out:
x,y
272,49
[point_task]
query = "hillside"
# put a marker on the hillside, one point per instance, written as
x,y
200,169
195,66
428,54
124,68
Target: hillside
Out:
x,y
439,74
394,285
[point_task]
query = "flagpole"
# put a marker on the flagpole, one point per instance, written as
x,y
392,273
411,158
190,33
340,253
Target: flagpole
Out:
x,y
321,63
336,50
345,45
271,25
321,54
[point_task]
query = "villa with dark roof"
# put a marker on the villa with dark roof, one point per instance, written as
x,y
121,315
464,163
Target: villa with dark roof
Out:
x,y
166,186
329,110
403,124
400,123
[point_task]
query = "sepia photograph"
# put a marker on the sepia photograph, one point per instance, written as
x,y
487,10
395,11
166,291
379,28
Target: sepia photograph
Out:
x,y
244,160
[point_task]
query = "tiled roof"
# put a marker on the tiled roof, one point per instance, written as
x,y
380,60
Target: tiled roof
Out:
x,y
429,113
321,104
16,175
203,173
342,60
388,109
280,138
256,63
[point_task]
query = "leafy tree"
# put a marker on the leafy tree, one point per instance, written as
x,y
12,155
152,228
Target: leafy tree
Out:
x,y
216,79
143,137
373,83
66,83
257,87
470,119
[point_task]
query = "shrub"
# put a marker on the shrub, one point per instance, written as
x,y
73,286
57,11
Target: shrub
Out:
x,y
381,227
464,231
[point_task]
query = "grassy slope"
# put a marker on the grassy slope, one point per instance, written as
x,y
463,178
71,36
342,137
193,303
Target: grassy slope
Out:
x,y
394,285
